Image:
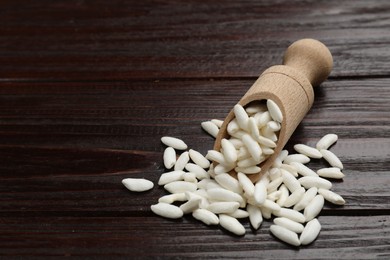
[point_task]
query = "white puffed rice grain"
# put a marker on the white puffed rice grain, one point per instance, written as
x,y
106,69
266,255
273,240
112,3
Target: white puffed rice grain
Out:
x,y
264,178
237,143
290,181
199,159
273,126
274,111
228,182
217,122
190,177
284,193
239,134
198,194
211,171
265,142
283,155
172,176
180,186
267,133
241,117
332,172
199,171
243,153
170,198
285,235
277,163
273,185
248,162
303,169
231,224
174,142
190,205
167,210
262,119
291,169
248,170
253,109
210,128
220,168
266,151
239,213
217,157
182,161
169,157
295,197
265,212
137,184
310,181
296,158
253,129
260,193
246,184
274,195
331,196
202,184
229,151
306,198
290,214
310,232
308,151
223,207
274,173
212,185
206,216
255,216
252,146
314,208
221,194
233,127
326,141
271,205
289,224
332,159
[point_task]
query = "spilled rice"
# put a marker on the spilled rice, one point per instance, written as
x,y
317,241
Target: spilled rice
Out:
x,y
289,191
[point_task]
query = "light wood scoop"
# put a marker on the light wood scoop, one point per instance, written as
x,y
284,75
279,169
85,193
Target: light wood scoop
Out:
x,y
306,63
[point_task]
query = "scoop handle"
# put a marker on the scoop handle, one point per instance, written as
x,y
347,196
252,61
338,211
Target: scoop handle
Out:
x,y
311,58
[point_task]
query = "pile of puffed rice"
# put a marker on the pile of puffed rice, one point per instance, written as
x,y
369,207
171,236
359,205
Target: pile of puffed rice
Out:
x,y
290,191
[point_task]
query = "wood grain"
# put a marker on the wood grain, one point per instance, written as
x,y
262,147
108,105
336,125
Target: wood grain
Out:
x,y
99,40
87,88
140,237
71,145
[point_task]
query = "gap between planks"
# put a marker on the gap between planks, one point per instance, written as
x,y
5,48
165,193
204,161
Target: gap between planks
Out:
x,y
175,79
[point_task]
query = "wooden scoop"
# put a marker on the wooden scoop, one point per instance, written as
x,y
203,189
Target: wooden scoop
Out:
x,y
306,63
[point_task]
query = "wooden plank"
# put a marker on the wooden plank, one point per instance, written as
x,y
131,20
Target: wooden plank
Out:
x,y
100,40
102,193
341,237
67,146
87,88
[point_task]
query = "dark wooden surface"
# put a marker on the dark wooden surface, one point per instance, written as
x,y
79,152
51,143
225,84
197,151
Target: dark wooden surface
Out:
x,y
87,88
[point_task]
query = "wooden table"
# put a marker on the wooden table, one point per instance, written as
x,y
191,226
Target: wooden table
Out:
x,y
88,88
